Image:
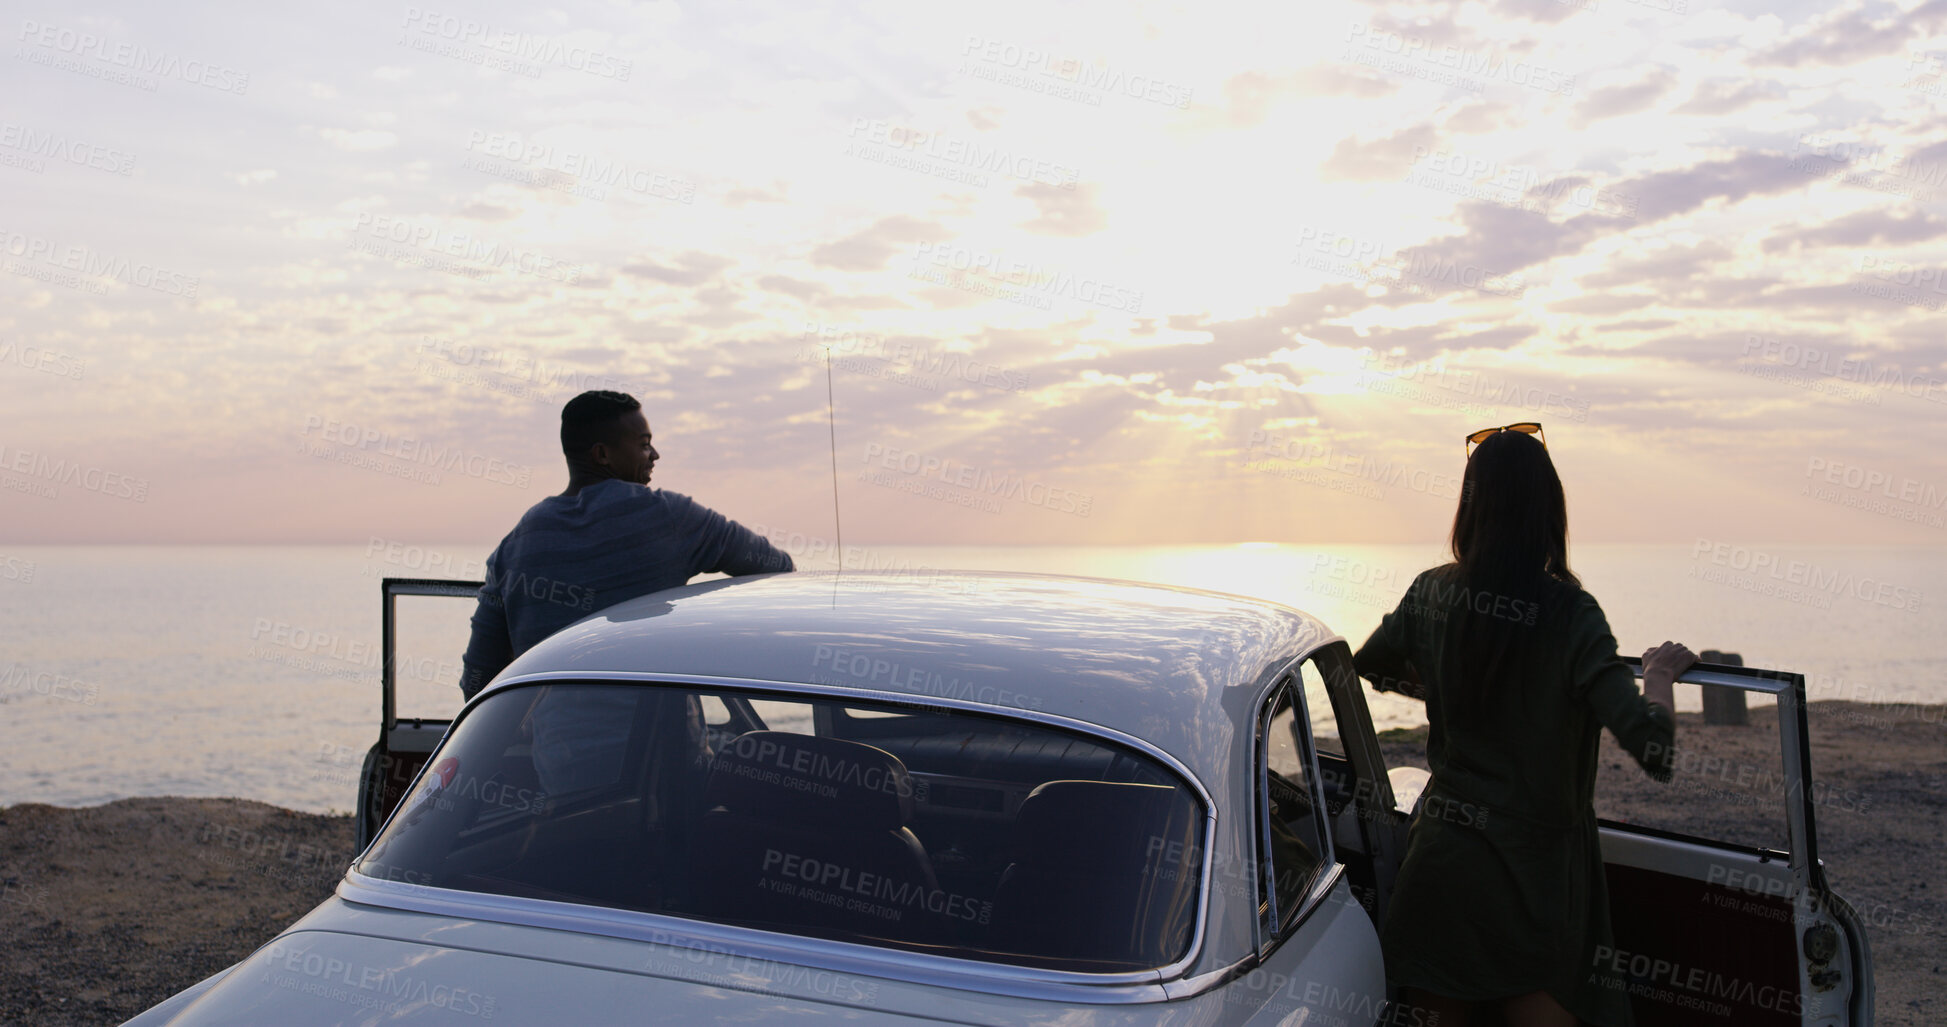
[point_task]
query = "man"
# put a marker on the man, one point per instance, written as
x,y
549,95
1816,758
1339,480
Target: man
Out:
x,y
608,537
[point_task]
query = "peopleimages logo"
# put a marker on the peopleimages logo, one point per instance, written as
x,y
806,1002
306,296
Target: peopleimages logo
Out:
x,y
61,146
1644,972
129,60
715,964
880,895
1867,479
91,263
58,471
1831,363
492,253
1800,574
1317,453
1088,76
1450,64
381,989
979,482
416,452
1519,186
790,766
46,361
1031,278
962,154
521,46
588,168
835,341
879,671
1389,372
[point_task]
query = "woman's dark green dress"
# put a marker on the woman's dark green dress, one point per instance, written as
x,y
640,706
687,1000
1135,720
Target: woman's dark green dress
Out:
x,y
1502,890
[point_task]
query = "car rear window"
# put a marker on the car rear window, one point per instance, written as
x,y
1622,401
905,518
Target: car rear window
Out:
x,y
911,827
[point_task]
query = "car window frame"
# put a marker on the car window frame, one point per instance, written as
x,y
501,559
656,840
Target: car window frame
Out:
x,y
1273,925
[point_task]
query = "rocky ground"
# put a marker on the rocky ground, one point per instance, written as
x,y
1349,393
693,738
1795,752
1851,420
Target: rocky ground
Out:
x,y
107,910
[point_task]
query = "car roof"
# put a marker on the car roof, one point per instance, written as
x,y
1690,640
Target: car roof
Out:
x,y
1177,667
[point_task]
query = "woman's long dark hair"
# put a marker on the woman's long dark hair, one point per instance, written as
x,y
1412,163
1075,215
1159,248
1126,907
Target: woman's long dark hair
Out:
x,y
1510,569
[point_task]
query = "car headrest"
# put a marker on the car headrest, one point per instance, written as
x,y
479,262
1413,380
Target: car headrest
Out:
x,y
1100,825
805,779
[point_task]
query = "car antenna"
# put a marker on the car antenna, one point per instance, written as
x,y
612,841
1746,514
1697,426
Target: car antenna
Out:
x,y
831,429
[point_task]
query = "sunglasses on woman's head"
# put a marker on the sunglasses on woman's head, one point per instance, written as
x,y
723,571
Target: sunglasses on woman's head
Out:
x,y
1525,427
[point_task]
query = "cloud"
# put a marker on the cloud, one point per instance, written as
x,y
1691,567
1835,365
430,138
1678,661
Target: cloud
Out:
x,y
743,196
1646,324
1061,211
1602,303
1248,97
1932,155
1669,193
1863,228
1727,96
249,178
1498,240
796,288
718,307
1480,118
1546,12
1851,36
1382,159
1322,315
1339,80
870,248
1661,267
361,140
1618,101
692,268
488,212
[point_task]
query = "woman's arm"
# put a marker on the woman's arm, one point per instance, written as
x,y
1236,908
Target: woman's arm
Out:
x,y
1407,682
1644,722
1383,659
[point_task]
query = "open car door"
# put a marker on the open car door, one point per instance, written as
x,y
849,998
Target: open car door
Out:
x,y
1706,931
404,743
1712,932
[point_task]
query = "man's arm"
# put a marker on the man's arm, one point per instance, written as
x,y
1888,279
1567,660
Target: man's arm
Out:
x,y
722,546
491,648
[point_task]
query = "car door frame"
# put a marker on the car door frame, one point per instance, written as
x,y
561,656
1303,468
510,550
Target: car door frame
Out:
x,y
403,745
1326,958
1381,824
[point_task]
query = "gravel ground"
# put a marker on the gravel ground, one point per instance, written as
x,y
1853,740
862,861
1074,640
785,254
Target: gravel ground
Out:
x,y
107,910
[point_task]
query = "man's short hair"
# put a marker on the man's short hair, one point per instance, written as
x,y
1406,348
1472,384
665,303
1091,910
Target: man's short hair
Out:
x,y
591,417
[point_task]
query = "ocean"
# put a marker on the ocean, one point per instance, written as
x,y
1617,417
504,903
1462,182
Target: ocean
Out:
x,y
252,671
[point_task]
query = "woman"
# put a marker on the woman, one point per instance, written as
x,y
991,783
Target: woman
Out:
x,y
1500,901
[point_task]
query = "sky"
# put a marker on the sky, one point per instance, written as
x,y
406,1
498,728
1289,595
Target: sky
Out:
x,y
997,273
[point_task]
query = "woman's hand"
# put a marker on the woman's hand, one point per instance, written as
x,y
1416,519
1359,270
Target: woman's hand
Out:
x,y
1670,659
1662,666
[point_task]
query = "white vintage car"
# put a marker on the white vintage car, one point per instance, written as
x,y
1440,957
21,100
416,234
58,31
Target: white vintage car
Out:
x,y
1024,799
